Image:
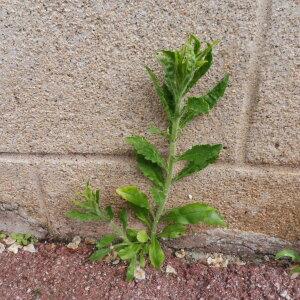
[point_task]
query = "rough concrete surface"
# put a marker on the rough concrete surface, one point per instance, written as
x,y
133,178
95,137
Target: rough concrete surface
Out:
x,y
73,85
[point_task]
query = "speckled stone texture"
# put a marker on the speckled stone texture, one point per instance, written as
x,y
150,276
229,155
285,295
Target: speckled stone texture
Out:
x,y
73,85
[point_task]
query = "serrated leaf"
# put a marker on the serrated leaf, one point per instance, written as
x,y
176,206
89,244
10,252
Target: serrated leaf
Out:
x,y
162,93
142,236
193,214
173,231
99,254
129,251
290,253
194,107
83,216
197,106
158,195
88,206
198,157
203,68
179,67
146,149
133,195
105,241
131,268
123,218
156,254
151,170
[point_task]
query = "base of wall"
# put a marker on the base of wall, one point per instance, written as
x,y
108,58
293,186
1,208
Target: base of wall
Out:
x,y
234,242
10,221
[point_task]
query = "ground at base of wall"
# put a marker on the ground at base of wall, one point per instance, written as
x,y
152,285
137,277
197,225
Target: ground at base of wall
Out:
x,y
57,272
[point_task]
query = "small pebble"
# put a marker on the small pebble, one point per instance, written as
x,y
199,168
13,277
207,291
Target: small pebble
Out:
x,y
170,270
30,248
2,248
190,197
9,241
75,243
180,254
115,262
139,274
14,248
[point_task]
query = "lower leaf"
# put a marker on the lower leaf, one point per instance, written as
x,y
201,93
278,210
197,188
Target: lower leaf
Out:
x,y
173,231
156,254
129,251
131,268
99,254
194,213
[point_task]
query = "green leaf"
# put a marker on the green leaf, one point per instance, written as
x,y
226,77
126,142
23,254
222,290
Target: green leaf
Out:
x,y
193,214
123,218
142,236
99,254
133,195
173,231
131,234
290,253
156,254
88,206
143,214
109,212
165,99
131,268
197,106
198,157
129,251
2,235
146,149
142,260
105,241
295,269
158,195
201,71
151,170
83,216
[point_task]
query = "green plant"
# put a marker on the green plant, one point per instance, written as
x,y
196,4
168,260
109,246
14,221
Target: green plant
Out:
x,y
2,235
182,70
23,239
293,255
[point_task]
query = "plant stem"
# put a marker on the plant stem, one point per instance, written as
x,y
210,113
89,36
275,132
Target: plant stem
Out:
x,y
120,232
169,177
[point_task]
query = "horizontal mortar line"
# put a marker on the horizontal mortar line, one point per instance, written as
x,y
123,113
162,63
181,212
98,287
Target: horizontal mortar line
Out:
x,y
75,156
30,158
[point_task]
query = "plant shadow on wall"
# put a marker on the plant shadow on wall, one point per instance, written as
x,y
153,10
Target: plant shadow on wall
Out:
x,y
182,70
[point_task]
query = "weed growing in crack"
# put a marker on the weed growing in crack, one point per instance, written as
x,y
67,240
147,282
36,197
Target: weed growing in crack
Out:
x,y
293,255
182,70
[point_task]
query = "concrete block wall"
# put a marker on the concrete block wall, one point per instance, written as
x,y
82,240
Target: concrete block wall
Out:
x,y
73,85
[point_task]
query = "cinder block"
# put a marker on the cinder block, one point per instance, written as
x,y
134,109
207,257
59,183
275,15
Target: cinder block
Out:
x,y
274,134
61,182
73,77
263,201
20,200
251,200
